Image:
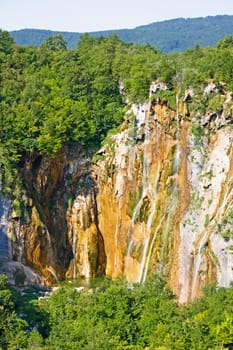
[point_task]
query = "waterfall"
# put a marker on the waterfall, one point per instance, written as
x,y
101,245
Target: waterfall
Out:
x,y
227,199
50,269
49,245
148,255
148,237
145,256
145,186
4,240
50,255
197,264
86,271
74,238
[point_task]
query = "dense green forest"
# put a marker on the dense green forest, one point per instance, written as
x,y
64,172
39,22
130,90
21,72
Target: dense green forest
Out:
x,y
51,96
111,315
166,36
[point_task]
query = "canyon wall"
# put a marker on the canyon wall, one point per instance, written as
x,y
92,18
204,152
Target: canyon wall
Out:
x,y
156,198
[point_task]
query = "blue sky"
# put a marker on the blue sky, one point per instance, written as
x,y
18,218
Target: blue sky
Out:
x,y
91,15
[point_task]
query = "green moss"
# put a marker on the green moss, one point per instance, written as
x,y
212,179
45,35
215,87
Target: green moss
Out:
x,y
70,199
215,102
197,132
226,226
17,207
207,220
98,157
134,197
209,174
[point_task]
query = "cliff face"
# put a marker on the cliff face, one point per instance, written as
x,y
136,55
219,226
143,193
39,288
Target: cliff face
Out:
x,y
55,232
158,197
164,193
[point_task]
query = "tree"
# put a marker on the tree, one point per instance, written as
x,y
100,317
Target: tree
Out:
x,y
54,43
12,329
227,42
6,43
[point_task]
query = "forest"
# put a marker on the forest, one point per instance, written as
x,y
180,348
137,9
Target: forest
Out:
x,y
114,315
52,96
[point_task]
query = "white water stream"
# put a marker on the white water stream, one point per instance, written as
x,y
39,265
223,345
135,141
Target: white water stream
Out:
x,y
4,220
197,264
74,240
50,255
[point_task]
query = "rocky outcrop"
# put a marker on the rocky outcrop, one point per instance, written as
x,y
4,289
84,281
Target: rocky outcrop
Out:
x,y
154,199
57,234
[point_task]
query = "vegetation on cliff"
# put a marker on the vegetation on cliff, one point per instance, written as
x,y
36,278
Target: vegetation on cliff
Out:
x,y
51,96
112,316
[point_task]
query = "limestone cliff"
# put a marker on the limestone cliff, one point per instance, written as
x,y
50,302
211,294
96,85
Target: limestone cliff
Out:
x,y
157,197
164,193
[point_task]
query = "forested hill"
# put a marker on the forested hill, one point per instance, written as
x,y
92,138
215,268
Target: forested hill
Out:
x,y
167,36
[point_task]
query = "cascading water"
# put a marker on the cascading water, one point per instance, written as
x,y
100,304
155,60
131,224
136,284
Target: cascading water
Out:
x,y
197,264
74,240
145,255
49,246
50,255
144,194
4,226
149,192
52,272
150,245
4,221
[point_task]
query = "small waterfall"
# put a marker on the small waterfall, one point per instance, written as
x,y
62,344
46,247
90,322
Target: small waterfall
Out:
x,y
74,240
145,191
144,268
197,264
176,160
50,255
4,240
50,269
86,271
227,199
142,271
148,255
49,246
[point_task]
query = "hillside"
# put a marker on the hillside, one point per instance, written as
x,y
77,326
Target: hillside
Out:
x,y
167,36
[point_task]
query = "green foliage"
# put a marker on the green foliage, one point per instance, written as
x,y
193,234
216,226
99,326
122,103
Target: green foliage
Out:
x,y
215,102
167,97
226,226
12,329
226,42
197,132
54,43
113,315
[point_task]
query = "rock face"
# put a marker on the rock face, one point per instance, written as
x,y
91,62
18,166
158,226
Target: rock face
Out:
x,y
57,234
155,199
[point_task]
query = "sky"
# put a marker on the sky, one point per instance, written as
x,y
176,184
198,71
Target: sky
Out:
x,y
90,15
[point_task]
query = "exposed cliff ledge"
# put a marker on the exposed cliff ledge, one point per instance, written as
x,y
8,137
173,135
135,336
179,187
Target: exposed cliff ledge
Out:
x,y
154,199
